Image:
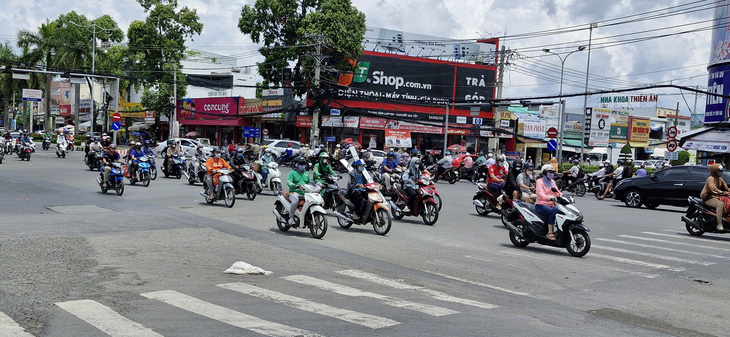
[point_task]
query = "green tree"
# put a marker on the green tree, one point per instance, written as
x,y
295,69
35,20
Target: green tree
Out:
x,y
158,44
283,27
8,86
626,152
39,49
682,158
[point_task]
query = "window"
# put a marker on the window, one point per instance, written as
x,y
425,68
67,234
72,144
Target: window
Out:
x,y
295,146
698,174
267,142
672,174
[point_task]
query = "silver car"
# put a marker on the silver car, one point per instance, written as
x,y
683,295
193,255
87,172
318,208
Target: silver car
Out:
x,y
186,144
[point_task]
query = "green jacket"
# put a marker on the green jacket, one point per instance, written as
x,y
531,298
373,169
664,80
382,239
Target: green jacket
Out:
x,y
322,171
295,179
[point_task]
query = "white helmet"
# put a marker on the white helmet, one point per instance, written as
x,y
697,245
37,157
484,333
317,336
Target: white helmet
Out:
x,y
548,168
490,155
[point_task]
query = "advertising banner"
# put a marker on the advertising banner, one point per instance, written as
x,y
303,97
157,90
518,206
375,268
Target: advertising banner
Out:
x,y
720,48
600,128
640,128
334,121
304,121
351,121
208,111
716,108
397,138
531,128
619,126
372,123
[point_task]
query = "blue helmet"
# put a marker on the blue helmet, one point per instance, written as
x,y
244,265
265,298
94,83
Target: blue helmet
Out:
x,y
391,154
447,152
358,162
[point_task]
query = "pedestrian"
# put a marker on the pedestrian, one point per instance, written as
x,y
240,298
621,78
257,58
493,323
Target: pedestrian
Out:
x,y
641,172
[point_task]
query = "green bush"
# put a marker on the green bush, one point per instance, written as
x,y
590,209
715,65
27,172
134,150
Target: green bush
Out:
x,y
683,157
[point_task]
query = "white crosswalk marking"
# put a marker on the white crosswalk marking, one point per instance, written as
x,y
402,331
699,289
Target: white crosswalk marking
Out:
x,y
687,237
552,260
106,319
399,285
370,321
673,242
353,292
663,248
8,327
226,315
655,256
636,262
485,285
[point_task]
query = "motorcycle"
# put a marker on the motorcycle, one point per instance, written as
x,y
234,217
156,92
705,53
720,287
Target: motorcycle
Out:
x,y
93,159
309,213
481,173
223,191
153,167
332,192
273,180
701,218
425,204
24,151
246,183
570,232
61,149
578,187
2,154
484,200
448,175
176,167
427,178
115,181
9,146
46,143
601,186
195,171
376,211
142,174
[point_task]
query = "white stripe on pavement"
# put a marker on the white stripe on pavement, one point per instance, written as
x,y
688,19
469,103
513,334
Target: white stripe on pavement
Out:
x,y
687,237
636,262
352,292
552,260
513,292
226,315
655,256
672,242
399,285
663,248
8,327
106,319
370,321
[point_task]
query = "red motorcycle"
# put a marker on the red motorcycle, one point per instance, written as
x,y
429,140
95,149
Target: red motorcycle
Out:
x,y
425,204
484,201
437,196
448,174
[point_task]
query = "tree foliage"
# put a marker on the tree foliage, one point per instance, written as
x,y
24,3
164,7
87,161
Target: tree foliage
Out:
x,y
626,151
284,27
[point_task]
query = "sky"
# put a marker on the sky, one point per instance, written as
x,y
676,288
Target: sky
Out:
x,y
679,59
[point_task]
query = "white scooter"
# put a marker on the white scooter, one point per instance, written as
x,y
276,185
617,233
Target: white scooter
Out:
x,y
309,213
273,180
223,191
61,149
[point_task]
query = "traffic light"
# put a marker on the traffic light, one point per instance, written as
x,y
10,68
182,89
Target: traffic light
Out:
x,y
286,76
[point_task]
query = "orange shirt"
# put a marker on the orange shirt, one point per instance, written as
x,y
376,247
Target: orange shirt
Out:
x,y
215,164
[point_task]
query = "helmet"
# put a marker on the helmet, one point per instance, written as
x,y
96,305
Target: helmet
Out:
x,y
138,144
490,155
265,146
239,150
288,144
500,158
576,161
96,139
216,150
324,155
517,165
337,146
358,162
321,146
529,166
103,134
170,142
391,154
447,152
113,147
620,162
547,168
416,152
146,141
267,150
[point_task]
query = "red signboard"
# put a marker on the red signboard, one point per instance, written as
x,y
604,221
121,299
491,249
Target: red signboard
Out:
x,y
372,123
117,117
304,121
552,132
211,111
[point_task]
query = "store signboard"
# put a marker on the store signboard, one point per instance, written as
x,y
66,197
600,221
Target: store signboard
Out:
x,y
351,121
333,121
397,138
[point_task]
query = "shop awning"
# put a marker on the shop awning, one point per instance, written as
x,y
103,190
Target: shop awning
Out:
x,y
572,142
656,126
532,143
659,152
638,144
598,150
709,140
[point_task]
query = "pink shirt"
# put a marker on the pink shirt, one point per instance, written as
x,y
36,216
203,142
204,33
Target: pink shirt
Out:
x,y
544,193
468,162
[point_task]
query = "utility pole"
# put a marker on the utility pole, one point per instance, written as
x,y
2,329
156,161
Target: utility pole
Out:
x,y
501,62
173,118
318,58
585,97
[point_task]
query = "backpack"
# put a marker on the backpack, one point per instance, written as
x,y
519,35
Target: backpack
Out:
x,y
580,174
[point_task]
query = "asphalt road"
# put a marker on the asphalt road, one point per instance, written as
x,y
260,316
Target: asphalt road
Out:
x,y
76,262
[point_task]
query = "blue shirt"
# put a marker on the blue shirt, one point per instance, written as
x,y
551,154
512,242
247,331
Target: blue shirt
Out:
x,y
136,153
391,164
641,173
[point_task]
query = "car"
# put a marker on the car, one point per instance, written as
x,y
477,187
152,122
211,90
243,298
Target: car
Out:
x,y
186,144
669,186
379,157
637,163
278,146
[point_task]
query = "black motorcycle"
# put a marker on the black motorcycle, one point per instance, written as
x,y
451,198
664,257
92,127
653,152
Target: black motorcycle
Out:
x,y
46,143
577,187
175,167
701,218
93,159
333,192
244,181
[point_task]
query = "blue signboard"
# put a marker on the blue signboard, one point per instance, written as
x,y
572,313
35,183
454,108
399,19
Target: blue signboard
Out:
x,y
552,145
330,139
716,109
116,126
251,132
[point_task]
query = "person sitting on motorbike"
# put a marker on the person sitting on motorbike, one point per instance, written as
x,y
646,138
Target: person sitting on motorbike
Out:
x,y
526,186
490,160
266,158
60,141
497,172
214,164
571,175
355,187
147,149
468,162
387,168
512,187
547,190
296,178
24,139
287,154
339,154
715,189
109,157
135,152
412,173
237,162
405,158
171,150
444,163
323,169
231,150
617,175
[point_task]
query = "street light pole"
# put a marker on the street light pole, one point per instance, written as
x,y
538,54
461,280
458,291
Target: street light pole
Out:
x,y
585,97
561,122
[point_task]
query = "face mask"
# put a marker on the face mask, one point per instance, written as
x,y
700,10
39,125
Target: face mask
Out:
x,y
361,168
300,167
550,175
240,155
217,155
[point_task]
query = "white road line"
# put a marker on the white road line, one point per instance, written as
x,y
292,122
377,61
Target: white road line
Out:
x,y
672,242
399,285
370,321
663,248
226,315
513,292
636,262
687,237
8,327
552,260
106,319
352,292
655,256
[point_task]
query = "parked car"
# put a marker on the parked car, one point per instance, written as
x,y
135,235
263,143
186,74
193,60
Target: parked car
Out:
x,y
670,186
278,146
186,144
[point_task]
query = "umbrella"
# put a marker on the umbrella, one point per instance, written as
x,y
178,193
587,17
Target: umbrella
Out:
x,y
456,148
191,134
349,141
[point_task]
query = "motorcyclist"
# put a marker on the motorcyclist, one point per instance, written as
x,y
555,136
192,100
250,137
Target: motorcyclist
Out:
x,y
134,154
572,174
148,150
405,158
214,164
497,172
444,163
512,187
526,186
171,150
24,139
490,160
715,189
238,161
387,168
355,187
547,190
60,141
266,158
339,154
323,169
110,156
617,175
296,178
105,140
288,153
410,176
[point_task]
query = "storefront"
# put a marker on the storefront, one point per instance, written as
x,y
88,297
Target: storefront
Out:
x,y
219,119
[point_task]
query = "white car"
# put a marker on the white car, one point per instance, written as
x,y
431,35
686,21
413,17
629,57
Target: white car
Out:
x,y
278,146
186,144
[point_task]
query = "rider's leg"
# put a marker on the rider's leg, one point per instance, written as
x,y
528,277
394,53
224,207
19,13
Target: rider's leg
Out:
x,y
293,202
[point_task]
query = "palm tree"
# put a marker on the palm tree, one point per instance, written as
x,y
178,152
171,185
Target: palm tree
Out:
x,y
7,86
39,49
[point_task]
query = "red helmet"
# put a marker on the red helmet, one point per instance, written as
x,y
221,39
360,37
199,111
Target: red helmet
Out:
x,y
288,144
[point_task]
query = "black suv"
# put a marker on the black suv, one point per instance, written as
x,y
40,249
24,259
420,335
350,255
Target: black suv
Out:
x,y
670,186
